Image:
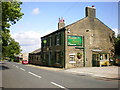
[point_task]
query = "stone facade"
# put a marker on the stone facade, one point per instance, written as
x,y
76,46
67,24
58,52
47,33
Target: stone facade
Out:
x,y
97,43
52,49
35,57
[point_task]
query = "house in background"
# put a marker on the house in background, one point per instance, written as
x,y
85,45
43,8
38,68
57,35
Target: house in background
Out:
x,y
84,43
25,56
35,57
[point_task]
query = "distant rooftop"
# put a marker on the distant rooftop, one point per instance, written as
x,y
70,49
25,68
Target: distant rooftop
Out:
x,y
36,51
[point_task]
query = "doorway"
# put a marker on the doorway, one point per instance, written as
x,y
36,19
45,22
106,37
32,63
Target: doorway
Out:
x,y
95,62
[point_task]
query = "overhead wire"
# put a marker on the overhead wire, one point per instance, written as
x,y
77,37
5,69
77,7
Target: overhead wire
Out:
x,y
70,8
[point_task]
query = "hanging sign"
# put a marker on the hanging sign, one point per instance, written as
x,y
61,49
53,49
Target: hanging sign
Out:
x,y
44,41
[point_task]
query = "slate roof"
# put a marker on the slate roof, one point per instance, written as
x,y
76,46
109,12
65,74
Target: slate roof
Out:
x,y
36,51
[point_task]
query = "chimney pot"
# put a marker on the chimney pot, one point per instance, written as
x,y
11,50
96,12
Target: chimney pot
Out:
x,y
91,12
93,6
61,23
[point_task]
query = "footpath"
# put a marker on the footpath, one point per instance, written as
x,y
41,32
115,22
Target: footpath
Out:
x,y
105,72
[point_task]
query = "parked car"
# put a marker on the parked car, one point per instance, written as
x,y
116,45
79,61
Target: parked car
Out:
x,y
24,62
104,63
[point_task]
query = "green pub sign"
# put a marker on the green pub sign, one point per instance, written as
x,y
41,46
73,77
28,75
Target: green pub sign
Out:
x,y
74,40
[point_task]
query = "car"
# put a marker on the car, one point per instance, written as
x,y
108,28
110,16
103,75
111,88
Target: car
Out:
x,y
24,62
104,63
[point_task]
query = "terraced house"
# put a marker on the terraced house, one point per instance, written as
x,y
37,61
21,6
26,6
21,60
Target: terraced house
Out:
x,y
84,43
35,57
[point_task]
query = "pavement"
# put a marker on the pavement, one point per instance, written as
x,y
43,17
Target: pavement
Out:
x,y
44,67
105,72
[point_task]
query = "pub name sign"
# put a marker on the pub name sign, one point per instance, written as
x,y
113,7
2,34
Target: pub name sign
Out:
x,y
74,40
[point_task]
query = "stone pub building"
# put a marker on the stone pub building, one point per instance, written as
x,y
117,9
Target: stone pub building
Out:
x,y
84,43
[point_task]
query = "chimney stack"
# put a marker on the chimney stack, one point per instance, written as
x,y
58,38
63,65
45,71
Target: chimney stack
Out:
x,y
61,23
91,12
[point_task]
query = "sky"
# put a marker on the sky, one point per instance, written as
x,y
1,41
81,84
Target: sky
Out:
x,y
41,18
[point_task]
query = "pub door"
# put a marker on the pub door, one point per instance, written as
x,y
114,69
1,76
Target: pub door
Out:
x,y
95,62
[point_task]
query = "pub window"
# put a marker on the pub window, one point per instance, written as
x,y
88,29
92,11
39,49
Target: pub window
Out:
x,y
105,56
47,44
57,39
44,56
57,57
37,58
60,39
101,57
30,57
72,58
50,41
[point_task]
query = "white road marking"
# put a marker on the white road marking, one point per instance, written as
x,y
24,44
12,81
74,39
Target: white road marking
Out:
x,y
17,63
22,69
16,66
58,85
35,75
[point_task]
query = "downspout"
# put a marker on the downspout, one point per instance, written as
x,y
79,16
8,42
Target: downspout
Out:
x,y
84,51
64,47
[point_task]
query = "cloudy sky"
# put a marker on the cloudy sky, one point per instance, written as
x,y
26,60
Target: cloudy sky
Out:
x,y
41,18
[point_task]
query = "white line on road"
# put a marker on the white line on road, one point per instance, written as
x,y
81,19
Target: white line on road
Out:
x,y
17,63
59,85
16,66
22,69
35,75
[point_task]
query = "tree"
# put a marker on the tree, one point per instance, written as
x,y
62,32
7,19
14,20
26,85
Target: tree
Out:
x,y
11,13
117,46
13,48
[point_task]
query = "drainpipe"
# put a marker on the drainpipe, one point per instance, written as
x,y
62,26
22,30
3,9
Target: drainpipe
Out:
x,y
84,51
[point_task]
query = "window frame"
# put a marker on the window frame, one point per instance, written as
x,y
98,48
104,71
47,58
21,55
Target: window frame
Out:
x,y
73,56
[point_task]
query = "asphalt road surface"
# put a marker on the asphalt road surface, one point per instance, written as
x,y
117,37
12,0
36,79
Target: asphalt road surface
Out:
x,y
16,75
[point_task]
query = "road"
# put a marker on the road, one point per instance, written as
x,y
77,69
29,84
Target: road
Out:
x,y
16,75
